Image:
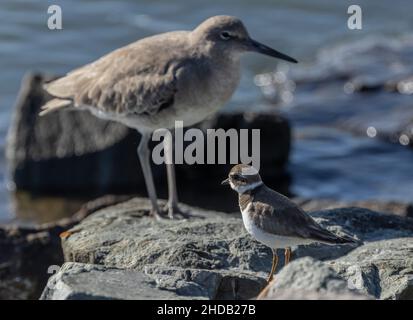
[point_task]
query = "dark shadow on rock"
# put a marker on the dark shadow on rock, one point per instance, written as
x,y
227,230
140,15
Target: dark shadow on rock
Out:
x,y
26,253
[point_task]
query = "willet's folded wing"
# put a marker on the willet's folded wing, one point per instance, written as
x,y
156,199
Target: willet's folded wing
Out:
x,y
137,79
279,215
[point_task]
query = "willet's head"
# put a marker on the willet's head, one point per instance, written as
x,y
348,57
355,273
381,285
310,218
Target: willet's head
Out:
x,y
243,178
228,35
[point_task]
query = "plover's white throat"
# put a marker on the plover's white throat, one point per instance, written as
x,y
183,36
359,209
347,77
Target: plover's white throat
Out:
x,y
149,84
272,218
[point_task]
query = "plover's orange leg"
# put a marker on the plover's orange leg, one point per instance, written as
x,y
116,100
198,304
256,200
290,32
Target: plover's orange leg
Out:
x,y
287,256
274,265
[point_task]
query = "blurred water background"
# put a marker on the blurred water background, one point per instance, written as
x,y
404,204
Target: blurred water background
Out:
x,y
333,156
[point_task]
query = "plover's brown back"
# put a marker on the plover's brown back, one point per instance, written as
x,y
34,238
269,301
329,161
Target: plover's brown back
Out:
x,y
277,215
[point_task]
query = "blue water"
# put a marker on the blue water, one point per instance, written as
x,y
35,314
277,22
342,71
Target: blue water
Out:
x,y
325,162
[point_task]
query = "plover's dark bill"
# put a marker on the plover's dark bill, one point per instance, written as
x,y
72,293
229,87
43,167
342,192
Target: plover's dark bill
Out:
x,y
149,84
272,218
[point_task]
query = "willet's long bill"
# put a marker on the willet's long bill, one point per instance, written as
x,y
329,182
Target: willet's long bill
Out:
x,y
155,81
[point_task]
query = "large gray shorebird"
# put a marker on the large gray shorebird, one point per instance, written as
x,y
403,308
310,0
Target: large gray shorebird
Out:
x,y
272,218
153,82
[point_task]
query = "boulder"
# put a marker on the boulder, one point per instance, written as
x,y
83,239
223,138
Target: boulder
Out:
x,y
25,256
380,270
383,269
124,236
28,254
363,224
78,281
77,153
212,284
403,209
309,279
67,151
210,255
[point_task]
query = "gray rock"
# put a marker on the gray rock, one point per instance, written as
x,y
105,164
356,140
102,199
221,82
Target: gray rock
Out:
x,y
363,224
77,281
67,151
27,252
209,254
77,153
309,279
383,269
25,255
215,284
292,294
186,282
402,209
123,236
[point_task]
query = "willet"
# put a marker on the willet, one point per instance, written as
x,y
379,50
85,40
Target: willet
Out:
x,y
272,218
151,83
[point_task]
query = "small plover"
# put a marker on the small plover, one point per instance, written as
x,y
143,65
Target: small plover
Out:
x,y
272,218
151,83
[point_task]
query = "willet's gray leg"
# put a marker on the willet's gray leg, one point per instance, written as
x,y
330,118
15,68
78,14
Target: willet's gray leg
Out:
x,y
144,158
172,205
172,192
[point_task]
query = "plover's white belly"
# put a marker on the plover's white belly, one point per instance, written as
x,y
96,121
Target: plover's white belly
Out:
x,y
270,240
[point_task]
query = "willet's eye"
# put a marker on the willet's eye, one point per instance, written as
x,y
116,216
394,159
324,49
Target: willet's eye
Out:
x,y
225,35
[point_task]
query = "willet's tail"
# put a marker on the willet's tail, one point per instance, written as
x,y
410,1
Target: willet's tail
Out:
x,y
54,105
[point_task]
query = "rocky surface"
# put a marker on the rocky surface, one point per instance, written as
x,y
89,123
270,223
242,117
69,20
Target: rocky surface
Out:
x,y
25,256
77,281
67,151
70,152
211,256
88,281
28,252
309,279
383,269
377,270
402,209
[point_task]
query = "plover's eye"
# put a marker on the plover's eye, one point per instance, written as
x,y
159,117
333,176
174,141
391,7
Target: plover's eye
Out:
x,y
237,177
225,35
